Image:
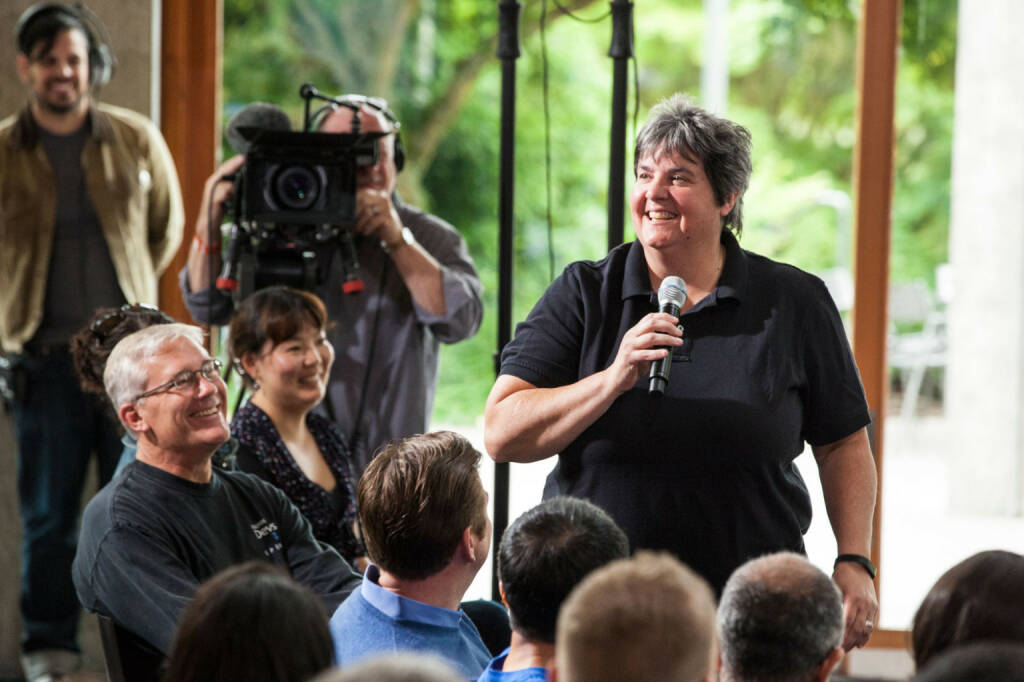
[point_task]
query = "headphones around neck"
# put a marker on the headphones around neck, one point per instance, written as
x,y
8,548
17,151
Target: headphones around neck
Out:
x,y
102,62
378,104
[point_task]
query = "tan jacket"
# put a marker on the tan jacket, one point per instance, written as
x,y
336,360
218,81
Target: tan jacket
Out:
x,y
134,188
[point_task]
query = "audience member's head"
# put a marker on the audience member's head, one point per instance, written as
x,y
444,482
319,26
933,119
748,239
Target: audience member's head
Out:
x,y
645,618
419,499
127,366
268,318
546,552
977,662
251,622
167,391
981,598
780,619
402,667
91,346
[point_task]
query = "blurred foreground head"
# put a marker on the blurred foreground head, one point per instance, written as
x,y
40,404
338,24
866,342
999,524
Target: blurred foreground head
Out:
x,y
645,618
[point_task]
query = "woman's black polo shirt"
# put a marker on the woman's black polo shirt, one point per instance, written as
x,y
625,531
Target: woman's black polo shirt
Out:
x,y
705,471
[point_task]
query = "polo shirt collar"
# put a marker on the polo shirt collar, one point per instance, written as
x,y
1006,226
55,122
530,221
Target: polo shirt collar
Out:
x,y
731,284
397,607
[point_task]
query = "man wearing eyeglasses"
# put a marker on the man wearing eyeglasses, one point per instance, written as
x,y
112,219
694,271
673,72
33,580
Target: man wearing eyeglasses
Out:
x,y
171,520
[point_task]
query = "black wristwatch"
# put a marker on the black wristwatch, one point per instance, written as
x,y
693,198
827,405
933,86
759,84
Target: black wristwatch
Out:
x,y
858,559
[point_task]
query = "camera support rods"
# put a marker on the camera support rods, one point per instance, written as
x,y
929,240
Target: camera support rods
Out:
x,y
508,51
621,51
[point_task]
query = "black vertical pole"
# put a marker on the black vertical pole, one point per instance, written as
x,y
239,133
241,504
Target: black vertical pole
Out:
x,y
508,51
621,51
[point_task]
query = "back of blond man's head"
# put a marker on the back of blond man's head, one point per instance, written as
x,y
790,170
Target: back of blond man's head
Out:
x,y
645,618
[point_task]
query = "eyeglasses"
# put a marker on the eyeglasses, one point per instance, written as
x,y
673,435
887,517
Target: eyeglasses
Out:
x,y
102,326
186,380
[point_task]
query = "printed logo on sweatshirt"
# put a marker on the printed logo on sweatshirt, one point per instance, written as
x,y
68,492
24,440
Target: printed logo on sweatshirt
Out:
x,y
267,531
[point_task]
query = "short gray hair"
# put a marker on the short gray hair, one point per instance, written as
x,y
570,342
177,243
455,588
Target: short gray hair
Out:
x,y
676,124
779,618
125,375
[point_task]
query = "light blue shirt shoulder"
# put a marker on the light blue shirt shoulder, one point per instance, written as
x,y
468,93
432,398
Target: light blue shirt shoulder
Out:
x,y
494,672
375,621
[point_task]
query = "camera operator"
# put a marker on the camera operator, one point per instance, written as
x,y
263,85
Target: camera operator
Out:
x,y
421,288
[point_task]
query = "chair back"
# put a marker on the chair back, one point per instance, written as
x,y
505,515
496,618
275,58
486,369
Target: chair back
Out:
x,y
127,657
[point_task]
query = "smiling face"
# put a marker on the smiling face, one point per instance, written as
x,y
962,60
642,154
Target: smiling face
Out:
x,y
58,77
293,374
673,204
190,419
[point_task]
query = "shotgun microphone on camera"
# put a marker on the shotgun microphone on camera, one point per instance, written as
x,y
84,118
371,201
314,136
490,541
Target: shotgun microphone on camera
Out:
x,y
259,116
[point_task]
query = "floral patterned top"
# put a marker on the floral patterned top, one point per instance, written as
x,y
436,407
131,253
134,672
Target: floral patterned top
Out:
x,y
262,452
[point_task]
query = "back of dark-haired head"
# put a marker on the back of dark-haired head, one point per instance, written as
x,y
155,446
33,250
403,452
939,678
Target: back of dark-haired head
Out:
x,y
977,662
980,598
546,552
779,618
91,345
251,622
676,124
274,314
416,498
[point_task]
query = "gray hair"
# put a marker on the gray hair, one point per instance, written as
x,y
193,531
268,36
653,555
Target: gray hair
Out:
x,y
125,375
778,620
399,667
676,124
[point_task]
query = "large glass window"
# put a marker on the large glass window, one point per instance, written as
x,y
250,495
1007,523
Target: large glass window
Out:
x,y
953,441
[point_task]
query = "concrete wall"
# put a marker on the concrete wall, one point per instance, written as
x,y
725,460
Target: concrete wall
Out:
x,y
986,314
130,25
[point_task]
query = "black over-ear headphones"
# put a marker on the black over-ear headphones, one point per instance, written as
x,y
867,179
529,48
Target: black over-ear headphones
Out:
x,y
377,104
102,62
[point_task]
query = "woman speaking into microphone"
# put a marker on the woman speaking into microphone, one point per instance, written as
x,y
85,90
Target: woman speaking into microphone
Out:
x,y
759,365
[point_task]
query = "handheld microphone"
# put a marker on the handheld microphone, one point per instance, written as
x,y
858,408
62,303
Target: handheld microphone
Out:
x,y
671,296
260,115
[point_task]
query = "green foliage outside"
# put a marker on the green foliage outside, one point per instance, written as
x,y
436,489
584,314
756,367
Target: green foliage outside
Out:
x,y
792,65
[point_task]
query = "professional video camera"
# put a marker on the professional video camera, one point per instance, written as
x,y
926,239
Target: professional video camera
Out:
x,y
294,200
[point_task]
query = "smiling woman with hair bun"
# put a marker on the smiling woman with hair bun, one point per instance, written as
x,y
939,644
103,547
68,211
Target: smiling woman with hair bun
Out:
x,y
278,342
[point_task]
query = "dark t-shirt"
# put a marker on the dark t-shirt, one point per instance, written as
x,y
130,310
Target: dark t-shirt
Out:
x,y
81,275
705,471
149,538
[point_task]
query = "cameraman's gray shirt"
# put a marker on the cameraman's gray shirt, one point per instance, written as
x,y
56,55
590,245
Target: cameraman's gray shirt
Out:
x,y
403,377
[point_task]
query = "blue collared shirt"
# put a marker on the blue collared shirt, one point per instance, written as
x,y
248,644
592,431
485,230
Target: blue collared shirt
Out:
x,y
375,621
495,672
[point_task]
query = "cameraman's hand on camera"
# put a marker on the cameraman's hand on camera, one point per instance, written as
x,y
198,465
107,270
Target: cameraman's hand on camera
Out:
x,y
204,255
376,215
216,194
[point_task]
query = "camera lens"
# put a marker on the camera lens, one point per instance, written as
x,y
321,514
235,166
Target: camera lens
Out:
x,y
296,187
